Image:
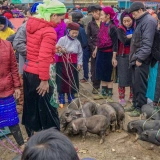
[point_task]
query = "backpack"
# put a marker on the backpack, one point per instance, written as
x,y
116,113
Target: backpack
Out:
x,y
156,46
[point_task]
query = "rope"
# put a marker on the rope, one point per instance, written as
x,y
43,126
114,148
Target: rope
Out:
x,y
88,82
11,142
2,143
157,135
151,115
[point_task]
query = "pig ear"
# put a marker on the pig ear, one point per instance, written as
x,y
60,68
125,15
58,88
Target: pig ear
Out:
x,y
74,126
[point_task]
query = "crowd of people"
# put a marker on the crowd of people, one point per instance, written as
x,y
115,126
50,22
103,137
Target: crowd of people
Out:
x,y
51,47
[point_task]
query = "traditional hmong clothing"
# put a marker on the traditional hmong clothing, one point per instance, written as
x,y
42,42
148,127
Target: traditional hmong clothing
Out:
x,y
66,65
8,112
107,44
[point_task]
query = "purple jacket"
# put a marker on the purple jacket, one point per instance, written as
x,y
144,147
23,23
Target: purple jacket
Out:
x,y
60,30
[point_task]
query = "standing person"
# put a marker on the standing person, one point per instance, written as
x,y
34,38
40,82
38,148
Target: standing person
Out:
x,y
9,89
67,75
92,32
61,28
87,19
124,31
40,107
82,37
140,55
107,47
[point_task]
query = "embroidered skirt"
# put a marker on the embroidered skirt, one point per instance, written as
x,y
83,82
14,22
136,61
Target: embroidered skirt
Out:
x,y
8,112
124,72
104,66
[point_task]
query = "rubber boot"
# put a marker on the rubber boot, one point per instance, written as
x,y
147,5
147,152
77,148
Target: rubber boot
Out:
x,y
61,98
110,93
103,94
70,98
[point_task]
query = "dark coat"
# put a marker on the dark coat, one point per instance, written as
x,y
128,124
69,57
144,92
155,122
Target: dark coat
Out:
x,y
142,39
92,32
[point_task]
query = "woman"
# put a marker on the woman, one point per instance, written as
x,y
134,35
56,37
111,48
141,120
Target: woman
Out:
x,y
10,85
67,75
107,46
124,31
40,106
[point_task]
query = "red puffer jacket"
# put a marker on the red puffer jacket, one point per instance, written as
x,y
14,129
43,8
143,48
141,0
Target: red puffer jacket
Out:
x,y
41,47
9,78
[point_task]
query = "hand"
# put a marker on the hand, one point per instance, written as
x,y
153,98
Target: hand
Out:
x,y
129,36
138,63
43,88
94,53
79,67
59,49
114,62
17,93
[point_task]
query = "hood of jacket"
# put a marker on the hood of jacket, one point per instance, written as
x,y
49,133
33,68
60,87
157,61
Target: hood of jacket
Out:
x,y
34,24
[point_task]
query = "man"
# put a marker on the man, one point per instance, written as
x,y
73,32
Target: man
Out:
x,y
140,55
87,19
92,32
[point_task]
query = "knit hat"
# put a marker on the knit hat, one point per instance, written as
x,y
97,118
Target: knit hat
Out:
x,y
73,26
113,15
50,7
2,20
136,6
76,16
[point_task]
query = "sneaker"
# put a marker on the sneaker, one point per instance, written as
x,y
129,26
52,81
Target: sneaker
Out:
x,y
109,99
135,113
122,102
95,91
83,80
130,109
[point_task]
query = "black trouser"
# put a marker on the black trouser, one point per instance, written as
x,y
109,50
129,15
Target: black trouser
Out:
x,y
96,83
16,132
29,131
139,84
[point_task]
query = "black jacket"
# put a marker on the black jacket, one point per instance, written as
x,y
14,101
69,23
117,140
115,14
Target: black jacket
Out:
x,y
92,32
142,39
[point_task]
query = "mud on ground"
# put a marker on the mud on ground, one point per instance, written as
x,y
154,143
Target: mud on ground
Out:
x,y
117,146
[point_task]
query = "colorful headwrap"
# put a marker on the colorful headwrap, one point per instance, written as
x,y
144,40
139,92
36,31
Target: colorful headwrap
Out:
x,y
113,15
50,7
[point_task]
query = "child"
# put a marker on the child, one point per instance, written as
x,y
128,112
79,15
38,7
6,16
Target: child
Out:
x,y
5,30
124,31
67,75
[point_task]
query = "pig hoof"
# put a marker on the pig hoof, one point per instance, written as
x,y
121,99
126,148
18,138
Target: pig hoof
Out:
x,y
101,141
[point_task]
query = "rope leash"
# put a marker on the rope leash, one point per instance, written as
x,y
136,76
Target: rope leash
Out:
x,y
9,141
88,82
